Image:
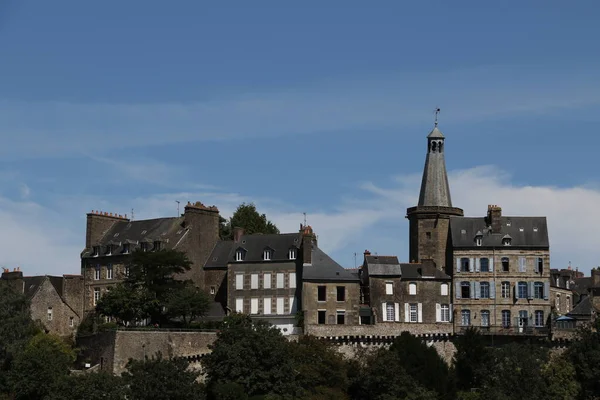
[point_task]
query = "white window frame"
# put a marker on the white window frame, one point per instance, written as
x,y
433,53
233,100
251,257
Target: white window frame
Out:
x,y
280,280
389,288
267,254
280,305
267,307
292,304
97,272
49,315
535,318
254,305
253,281
239,305
292,279
96,295
292,254
444,313
239,255
239,281
109,271
71,322
412,288
413,310
444,289
390,312
267,280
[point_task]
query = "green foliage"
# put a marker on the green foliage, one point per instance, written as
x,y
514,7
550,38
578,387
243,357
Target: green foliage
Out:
x,y
162,379
470,360
246,216
253,355
188,302
560,379
88,386
127,303
44,360
228,391
584,355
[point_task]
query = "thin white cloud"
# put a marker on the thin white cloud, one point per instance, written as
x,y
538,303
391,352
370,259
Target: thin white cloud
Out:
x,y
25,191
47,240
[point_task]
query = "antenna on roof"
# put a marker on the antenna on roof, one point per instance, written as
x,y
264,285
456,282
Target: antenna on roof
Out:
x,y
437,111
304,219
177,201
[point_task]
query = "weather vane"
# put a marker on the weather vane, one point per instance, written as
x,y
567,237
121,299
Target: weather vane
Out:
x,y
437,111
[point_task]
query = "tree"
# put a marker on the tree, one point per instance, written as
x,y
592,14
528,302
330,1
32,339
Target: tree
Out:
x,y
584,354
252,354
246,216
126,303
470,360
189,303
162,379
560,379
44,360
89,386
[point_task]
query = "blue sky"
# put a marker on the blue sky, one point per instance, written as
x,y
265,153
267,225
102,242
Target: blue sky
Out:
x,y
316,107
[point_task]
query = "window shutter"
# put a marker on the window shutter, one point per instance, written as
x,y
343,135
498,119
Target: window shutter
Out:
x,y
438,312
491,264
458,264
472,294
406,313
535,266
521,264
477,292
420,312
530,290
477,264
471,265
546,290
397,311
492,290
383,312
457,289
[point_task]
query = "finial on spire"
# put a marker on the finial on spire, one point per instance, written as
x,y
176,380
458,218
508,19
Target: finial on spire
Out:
x,y
437,111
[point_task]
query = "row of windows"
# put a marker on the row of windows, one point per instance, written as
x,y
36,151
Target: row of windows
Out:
x,y
108,272
240,254
267,305
109,249
487,290
522,320
412,288
255,281
339,318
413,312
340,292
485,264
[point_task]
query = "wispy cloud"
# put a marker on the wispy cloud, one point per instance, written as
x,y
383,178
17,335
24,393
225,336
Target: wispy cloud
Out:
x,y
56,128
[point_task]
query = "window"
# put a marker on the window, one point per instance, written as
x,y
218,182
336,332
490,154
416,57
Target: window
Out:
x,y
157,245
253,281
444,289
505,264
144,246
428,235
484,290
538,290
465,290
341,293
522,290
540,265
557,302
506,318
239,255
126,271
280,305
484,264
267,280
321,317
109,250
478,241
71,322
280,280
505,290
389,288
341,317
239,281
292,254
96,295
539,318
213,290
465,317
97,273
412,288
292,279
445,313
522,264
109,271
126,248
321,293
485,318
568,304
254,306
390,312
49,313
292,301
464,265
506,240
267,254
239,305
413,312
567,283
267,306
95,251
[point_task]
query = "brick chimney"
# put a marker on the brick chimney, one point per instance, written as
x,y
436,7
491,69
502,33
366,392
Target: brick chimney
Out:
x,y
98,222
309,239
238,232
493,218
596,277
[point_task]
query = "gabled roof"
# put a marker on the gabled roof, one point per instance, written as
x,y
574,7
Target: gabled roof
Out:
x,y
382,265
31,284
524,231
168,230
324,268
583,308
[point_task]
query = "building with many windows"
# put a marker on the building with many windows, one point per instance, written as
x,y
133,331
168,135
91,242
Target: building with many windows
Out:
x,y
502,273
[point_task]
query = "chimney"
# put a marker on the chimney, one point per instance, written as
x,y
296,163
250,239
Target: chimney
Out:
x,y
98,222
493,218
13,278
596,277
238,232
367,253
308,241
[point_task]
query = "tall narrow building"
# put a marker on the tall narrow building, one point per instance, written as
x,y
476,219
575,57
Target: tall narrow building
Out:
x,y
430,219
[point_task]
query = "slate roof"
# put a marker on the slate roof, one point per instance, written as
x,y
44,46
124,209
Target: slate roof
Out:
x,y
389,266
435,190
257,243
583,308
221,255
521,230
324,268
417,271
383,265
582,285
31,284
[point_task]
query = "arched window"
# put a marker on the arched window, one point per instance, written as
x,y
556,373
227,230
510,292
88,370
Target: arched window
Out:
x,y
412,288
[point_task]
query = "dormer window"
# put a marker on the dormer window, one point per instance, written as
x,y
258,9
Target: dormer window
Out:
x,y
126,248
95,251
240,254
157,245
144,246
267,254
292,253
506,240
478,238
109,250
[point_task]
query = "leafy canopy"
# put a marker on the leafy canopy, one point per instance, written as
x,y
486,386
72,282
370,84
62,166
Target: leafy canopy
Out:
x,y
246,216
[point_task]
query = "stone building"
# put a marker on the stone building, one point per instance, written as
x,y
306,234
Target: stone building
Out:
x,y
56,301
111,238
502,273
561,290
414,297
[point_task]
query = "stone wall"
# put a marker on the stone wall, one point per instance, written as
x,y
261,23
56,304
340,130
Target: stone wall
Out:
x,y
45,302
382,330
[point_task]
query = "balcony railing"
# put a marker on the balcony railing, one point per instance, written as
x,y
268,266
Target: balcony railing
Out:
x,y
507,330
